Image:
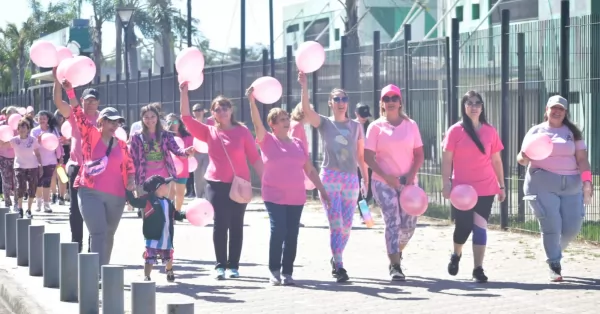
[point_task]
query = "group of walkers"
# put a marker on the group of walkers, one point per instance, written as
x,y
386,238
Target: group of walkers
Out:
x,y
361,159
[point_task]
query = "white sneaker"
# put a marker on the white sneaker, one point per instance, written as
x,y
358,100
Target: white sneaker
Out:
x,y
38,204
47,208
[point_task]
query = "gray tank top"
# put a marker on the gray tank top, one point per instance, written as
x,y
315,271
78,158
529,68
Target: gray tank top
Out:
x,y
339,144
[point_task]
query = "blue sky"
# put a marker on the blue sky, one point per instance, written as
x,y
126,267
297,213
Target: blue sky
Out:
x,y
220,24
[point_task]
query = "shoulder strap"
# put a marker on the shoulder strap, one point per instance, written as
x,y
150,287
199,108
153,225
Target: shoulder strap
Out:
x,y
110,144
225,150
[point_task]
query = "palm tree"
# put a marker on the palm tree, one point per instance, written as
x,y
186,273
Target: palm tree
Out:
x,y
16,43
103,10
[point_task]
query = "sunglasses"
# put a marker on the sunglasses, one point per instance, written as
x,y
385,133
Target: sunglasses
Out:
x,y
394,98
476,104
340,99
174,122
221,109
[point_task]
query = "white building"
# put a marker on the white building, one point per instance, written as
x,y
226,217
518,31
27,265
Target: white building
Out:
x,y
324,20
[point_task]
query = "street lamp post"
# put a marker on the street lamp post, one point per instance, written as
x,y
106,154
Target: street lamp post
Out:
x,y
126,16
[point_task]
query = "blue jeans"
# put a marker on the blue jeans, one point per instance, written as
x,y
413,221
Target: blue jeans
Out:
x,y
557,202
285,226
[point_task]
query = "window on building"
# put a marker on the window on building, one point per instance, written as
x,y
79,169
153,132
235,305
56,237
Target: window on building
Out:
x,y
292,28
459,13
336,34
311,32
475,11
520,10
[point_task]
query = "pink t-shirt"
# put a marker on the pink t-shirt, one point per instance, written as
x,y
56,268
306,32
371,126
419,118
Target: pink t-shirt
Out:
x,y
393,146
49,157
25,152
297,131
469,165
239,143
562,159
111,180
76,155
188,141
155,161
283,172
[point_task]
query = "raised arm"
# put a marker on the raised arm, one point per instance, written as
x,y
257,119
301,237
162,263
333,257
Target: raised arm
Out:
x,y
62,106
312,116
259,127
195,127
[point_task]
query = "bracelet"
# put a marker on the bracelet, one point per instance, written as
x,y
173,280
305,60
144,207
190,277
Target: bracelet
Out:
x,y
71,93
586,176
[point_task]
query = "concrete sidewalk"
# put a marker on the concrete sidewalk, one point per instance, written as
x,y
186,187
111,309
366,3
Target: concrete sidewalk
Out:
x,y
514,264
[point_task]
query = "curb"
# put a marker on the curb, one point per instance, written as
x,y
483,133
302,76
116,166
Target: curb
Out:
x,y
15,296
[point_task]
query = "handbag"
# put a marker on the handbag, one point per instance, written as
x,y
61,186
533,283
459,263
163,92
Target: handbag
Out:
x,y
96,167
241,189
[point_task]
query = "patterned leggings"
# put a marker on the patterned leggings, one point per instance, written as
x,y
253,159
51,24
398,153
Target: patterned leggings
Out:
x,y
26,181
8,179
342,189
399,226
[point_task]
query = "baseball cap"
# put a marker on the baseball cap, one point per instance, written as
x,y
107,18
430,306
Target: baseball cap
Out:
x,y
557,100
363,110
154,182
90,93
110,113
390,90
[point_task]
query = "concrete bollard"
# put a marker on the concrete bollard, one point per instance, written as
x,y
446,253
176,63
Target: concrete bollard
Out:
x,y
183,308
69,271
23,241
51,260
36,250
143,297
113,294
88,282
3,211
10,234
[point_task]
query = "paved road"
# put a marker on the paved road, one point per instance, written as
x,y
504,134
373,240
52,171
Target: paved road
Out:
x,y
514,264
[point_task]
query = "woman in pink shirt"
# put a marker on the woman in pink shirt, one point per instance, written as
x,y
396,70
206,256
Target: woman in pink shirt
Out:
x,y
556,188
50,158
178,187
7,161
285,162
230,148
472,156
394,151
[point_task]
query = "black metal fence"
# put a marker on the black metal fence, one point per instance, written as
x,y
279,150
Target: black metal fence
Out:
x,y
515,68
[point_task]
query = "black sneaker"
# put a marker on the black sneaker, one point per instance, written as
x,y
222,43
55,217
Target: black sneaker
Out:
x,y
341,275
396,273
20,212
54,197
170,275
453,265
147,278
555,272
333,272
28,214
479,276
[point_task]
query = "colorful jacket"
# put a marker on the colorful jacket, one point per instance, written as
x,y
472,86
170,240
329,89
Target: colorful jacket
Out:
x,y
154,219
90,135
167,145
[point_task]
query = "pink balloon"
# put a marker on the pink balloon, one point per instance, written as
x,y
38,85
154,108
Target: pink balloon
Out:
x,y
463,197
537,146
121,134
49,141
189,62
413,200
30,109
308,184
6,133
267,90
22,111
43,54
178,163
192,164
81,71
66,130
199,212
14,119
61,70
310,56
193,83
200,146
63,53
179,141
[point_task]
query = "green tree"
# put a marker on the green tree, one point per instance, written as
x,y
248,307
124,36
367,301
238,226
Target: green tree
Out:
x,y
15,46
103,11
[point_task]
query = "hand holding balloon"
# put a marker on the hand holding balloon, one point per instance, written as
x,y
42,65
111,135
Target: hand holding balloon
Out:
x,y
249,94
183,87
302,79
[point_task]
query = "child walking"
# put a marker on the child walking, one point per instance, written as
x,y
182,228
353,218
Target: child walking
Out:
x,y
158,214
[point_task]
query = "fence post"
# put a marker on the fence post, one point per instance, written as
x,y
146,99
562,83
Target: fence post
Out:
x,y
289,64
36,250
117,82
143,297
521,128
87,282
455,59
448,83
113,299
314,133
176,88
265,72
3,212
149,90
23,241
407,68
107,93
68,271
10,234
51,260
375,73
565,22
343,41
137,94
183,308
505,110
162,77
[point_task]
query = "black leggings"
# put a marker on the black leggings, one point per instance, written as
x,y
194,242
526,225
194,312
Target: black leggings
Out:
x,y
229,217
465,222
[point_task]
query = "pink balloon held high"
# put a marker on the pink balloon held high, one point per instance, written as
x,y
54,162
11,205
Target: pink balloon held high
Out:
x,y
310,56
463,197
81,71
189,62
63,53
43,54
193,83
267,90
413,200
537,146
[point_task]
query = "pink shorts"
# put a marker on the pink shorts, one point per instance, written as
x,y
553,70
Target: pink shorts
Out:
x,y
151,256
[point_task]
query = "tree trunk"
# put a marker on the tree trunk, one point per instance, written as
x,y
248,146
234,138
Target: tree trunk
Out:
x,y
134,65
97,46
351,80
14,78
167,50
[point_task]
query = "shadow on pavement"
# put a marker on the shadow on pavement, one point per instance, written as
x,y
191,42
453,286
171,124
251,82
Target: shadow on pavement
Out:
x,y
392,290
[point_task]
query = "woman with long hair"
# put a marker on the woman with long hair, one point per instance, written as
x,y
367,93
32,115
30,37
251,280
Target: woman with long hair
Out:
x,y
50,158
151,149
285,161
230,148
177,191
7,163
472,156
556,188
343,151
394,151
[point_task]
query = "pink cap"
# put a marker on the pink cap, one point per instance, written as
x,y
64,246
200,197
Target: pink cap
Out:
x,y
390,90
